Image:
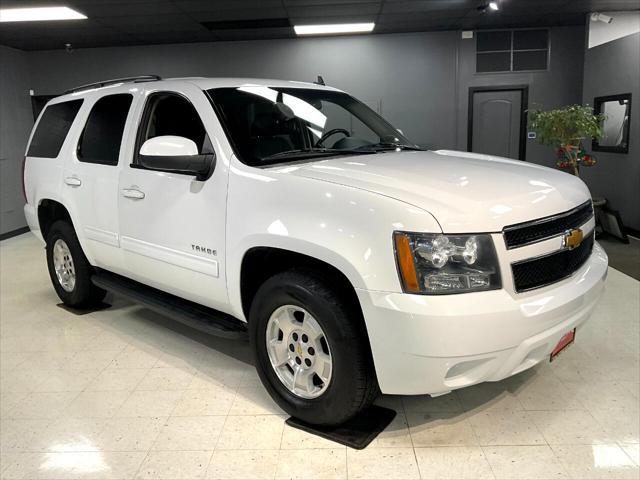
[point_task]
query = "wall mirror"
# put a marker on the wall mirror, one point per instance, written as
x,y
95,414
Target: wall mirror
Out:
x,y
615,127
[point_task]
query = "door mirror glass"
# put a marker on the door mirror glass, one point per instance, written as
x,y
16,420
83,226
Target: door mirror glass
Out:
x,y
169,146
616,110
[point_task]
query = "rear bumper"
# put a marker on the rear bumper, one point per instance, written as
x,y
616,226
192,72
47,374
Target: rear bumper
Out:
x,y
31,214
434,344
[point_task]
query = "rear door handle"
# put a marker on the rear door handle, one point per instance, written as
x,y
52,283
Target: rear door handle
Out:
x,y
73,181
133,193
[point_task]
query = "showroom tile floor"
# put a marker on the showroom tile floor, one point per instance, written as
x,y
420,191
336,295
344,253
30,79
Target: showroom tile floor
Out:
x,y
122,393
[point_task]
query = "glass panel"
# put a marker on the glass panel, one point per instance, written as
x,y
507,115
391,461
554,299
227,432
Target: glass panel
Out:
x,y
102,135
535,60
493,62
491,41
269,125
530,39
615,128
173,114
53,128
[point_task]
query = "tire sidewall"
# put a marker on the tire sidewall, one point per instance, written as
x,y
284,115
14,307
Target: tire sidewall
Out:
x,y
339,394
61,230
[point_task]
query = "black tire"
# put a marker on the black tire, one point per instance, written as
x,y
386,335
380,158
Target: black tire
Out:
x,y
353,386
84,293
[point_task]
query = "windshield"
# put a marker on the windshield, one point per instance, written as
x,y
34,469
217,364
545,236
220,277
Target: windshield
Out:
x,y
270,125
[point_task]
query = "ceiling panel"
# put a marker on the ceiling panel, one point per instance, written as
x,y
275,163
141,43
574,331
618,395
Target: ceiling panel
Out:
x,y
411,6
302,3
335,10
427,17
329,20
216,6
144,8
135,22
244,14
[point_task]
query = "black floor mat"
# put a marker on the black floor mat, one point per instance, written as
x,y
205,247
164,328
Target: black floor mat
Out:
x,y
82,311
357,433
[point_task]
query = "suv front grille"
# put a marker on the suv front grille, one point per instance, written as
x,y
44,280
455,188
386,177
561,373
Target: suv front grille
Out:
x,y
540,271
537,230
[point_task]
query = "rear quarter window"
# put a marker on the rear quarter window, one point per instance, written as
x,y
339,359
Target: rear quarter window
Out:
x,y
52,129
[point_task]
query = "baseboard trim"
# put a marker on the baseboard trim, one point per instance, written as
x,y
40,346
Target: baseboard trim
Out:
x,y
14,233
632,232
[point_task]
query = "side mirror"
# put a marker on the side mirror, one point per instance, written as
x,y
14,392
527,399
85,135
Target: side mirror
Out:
x,y
170,153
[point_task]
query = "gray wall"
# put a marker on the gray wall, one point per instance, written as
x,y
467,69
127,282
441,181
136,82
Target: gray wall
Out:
x,y
609,69
16,120
410,75
560,85
419,81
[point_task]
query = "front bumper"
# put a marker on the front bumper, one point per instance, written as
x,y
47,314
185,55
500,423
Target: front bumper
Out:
x,y
434,344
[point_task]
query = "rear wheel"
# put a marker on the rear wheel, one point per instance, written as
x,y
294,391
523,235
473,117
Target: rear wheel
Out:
x,y
69,269
311,349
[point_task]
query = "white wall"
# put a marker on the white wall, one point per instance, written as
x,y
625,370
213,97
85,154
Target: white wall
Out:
x,y
623,24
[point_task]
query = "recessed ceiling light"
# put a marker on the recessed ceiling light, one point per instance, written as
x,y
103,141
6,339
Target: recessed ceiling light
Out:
x,y
333,29
39,14
494,6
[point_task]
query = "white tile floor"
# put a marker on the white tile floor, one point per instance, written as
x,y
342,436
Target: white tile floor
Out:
x,y
124,394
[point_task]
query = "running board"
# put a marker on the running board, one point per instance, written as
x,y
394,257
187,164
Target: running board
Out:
x,y
194,315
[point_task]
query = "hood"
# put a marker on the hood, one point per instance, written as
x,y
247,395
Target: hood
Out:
x,y
465,192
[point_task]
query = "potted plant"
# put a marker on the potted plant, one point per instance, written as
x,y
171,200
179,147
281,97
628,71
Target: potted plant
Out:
x,y
564,129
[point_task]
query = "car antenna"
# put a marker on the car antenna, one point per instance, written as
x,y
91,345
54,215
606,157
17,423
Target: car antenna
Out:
x,y
319,81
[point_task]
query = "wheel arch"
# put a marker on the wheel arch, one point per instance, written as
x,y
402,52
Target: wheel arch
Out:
x,y
260,263
50,211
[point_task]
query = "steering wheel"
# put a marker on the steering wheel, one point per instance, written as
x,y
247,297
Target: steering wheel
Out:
x,y
333,131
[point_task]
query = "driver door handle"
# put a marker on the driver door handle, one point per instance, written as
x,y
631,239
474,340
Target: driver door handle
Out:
x,y
73,181
133,193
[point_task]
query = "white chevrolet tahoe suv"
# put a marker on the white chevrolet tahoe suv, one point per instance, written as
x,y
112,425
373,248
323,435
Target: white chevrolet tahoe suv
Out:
x,y
357,262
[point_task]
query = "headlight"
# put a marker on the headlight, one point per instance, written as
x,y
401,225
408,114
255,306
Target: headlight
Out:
x,y
437,264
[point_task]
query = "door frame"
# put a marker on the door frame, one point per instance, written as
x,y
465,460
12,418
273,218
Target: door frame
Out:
x,y
524,106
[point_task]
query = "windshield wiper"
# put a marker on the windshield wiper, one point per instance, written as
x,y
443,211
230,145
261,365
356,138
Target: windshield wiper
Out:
x,y
287,153
315,152
384,146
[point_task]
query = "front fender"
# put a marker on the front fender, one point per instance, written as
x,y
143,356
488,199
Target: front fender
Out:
x,y
346,227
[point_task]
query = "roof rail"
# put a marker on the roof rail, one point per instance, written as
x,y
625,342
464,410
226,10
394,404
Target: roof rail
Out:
x,y
104,83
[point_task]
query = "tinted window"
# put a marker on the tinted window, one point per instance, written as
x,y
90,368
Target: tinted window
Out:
x,y
493,62
269,125
493,41
512,50
53,128
530,60
171,114
102,135
530,39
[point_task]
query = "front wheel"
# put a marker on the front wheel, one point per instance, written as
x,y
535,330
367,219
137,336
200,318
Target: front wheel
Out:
x,y
310,349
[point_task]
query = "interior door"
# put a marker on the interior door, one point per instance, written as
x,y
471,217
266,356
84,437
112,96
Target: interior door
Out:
x,y
496,123
172,225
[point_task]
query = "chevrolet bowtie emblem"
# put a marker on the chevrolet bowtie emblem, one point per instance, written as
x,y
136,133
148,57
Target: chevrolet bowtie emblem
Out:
x,y
572,238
